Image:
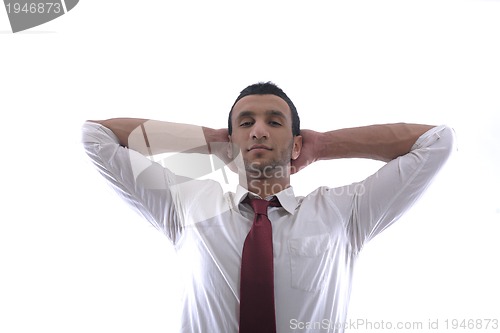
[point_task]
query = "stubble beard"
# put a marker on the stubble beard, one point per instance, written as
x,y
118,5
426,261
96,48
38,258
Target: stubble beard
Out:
x,y
277,167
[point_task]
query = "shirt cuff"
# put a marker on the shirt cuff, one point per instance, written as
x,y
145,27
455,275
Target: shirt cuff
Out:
x,y
431,136
96,133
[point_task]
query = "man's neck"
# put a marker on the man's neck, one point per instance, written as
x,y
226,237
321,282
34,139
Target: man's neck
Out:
x,y
265,187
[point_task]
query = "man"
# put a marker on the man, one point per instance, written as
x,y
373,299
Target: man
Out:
x,y
298,278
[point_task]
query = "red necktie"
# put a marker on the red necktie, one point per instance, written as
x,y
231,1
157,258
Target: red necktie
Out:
x,y
257,273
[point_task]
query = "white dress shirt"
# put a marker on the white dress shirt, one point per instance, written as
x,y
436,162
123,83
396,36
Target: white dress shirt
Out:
x,y
316,238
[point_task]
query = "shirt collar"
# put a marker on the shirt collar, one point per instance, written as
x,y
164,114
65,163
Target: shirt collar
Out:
x,y
286,198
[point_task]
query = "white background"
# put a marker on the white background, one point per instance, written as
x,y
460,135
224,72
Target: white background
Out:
x,y
74,258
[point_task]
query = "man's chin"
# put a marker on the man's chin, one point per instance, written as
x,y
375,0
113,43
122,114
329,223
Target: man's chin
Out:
x,y
257,164
265,168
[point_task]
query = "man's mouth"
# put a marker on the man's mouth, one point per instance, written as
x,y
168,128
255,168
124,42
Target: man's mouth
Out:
x,y
259,147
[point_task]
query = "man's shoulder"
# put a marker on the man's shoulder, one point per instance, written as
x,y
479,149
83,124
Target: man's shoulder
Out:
x,y
327,192
329,198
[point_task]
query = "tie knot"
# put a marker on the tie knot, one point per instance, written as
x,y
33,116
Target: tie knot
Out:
x,y
260,205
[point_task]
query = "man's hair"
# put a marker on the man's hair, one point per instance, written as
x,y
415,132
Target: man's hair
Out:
x,y
267,88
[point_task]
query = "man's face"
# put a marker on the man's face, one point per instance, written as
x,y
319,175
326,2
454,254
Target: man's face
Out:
x,y
262,132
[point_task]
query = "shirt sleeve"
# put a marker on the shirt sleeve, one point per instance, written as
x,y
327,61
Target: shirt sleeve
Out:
x,y
142,183
375,203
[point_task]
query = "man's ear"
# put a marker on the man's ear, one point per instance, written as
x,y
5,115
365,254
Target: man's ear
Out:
x,y
297,146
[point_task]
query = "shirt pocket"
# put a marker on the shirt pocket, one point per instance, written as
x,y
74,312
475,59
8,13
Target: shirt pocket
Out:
x,y
309,261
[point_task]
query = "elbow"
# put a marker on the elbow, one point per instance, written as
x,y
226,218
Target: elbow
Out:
x,y
448,137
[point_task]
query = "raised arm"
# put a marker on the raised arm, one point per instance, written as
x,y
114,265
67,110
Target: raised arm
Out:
x,y
379,142
149,187
415,154
151,137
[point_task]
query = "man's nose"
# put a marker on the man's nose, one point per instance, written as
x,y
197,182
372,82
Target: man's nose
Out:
x,y
259,131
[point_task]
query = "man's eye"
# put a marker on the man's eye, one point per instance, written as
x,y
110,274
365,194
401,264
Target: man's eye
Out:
x,y
246,124
274,123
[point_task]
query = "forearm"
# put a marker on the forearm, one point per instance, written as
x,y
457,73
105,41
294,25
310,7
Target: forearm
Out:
x,y
151,137
378,142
